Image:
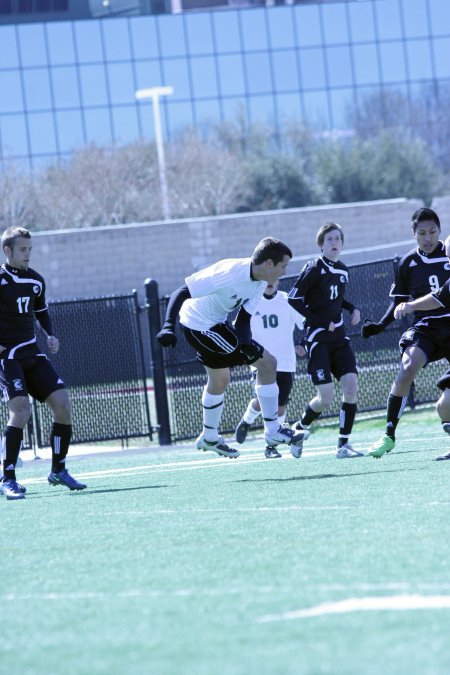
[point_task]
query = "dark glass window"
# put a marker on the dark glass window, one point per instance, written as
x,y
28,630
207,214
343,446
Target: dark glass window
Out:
x,y
25,6
5,6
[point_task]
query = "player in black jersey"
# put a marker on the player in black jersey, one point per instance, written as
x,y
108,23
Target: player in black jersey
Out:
x,y
424,269
319,295
23,369
436,300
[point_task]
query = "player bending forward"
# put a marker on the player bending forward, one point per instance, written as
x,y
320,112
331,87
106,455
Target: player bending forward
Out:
x,y
203,304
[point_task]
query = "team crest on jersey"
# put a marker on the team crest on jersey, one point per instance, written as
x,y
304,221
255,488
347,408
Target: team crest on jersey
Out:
x,y
18,386
343,280
447,266
36,289
320,374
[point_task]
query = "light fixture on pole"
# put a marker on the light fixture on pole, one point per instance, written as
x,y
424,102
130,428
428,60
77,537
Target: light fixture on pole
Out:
x,y
155,93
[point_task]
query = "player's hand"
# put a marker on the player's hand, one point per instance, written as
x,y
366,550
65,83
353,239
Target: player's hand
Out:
x,y
52,344
370,328
300,350
166,337
356,317
331,327
402,310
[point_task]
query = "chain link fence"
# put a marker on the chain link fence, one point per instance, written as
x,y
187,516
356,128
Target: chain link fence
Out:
x,y
378,360
102,364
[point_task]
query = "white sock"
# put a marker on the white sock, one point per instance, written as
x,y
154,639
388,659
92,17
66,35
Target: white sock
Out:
x,y
212,412
282,419
251,414
268,400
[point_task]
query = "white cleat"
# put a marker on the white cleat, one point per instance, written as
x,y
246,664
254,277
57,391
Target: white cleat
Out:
x,y
347,451
218,446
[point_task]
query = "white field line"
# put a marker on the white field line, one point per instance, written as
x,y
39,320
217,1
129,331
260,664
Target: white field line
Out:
x,y
367,604
408,601
195,464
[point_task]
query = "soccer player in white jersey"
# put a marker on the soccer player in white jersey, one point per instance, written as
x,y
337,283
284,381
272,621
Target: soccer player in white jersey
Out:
x,y
203,304
273,326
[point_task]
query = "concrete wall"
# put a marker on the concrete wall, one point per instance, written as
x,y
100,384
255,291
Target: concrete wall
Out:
x,y
108,260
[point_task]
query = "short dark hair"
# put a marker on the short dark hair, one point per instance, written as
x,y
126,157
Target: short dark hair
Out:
x,y
421,215
272,249
328,227
10,235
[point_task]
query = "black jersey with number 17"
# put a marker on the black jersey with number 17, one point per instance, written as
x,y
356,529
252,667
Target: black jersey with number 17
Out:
x,y
419,274
22,294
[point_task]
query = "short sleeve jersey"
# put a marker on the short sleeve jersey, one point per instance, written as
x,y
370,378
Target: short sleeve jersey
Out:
x,y
322,285
219,289
273,325
419,274
22,294
443,296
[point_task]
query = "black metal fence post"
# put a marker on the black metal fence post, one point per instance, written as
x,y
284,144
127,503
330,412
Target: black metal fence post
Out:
x,y
159,375
138,309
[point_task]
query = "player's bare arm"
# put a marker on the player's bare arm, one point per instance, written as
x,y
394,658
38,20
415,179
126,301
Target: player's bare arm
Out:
x,y
425,303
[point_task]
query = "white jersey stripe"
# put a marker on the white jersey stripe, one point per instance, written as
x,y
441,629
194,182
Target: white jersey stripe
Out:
x,y
22,344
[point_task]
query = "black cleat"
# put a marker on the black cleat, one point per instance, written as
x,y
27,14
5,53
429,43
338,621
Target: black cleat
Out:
x,y
271,452
64,478
242,431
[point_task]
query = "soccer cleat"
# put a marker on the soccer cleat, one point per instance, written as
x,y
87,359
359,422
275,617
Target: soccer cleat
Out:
x,y
64,478
218,446
298,426
384,444
439,458
347,451
22,488
446,427
271,452
12,490
242,431
286,435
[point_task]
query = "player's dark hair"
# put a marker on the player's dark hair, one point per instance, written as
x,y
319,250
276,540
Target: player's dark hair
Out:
x,y
421,215
272,249
11,234
328,227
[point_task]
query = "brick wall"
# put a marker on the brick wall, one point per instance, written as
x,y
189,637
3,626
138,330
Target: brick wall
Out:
x,y
108,260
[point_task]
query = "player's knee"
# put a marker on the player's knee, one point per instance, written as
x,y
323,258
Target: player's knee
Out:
x,y
19,412
269,362
443,405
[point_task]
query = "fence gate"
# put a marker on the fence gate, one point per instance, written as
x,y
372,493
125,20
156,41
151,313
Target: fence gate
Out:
x,y
101,361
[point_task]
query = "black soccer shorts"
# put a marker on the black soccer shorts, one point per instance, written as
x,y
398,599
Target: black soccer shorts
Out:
x,y
330,358
433,339
218,347
34,375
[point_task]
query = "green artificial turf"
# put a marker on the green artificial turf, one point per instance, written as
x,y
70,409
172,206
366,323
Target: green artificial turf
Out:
x,y
175,562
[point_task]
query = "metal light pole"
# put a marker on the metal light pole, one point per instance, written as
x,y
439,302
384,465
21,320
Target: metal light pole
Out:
x,y
155,93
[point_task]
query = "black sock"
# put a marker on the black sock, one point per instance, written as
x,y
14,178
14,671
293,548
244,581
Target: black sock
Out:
x,y
59,440
346,420
12,440
395,408
309,416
